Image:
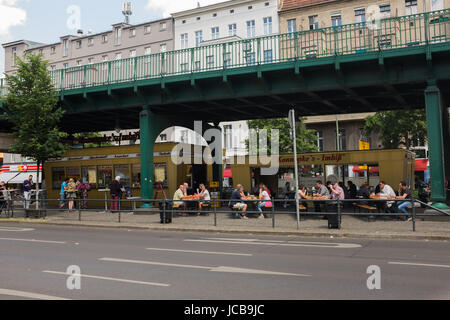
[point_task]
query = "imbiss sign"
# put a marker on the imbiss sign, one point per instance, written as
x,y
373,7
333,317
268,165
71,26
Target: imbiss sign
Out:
x,y
329,158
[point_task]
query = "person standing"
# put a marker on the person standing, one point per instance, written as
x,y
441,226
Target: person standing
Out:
x,y
83,190
71,193
27,186
115,194
62,193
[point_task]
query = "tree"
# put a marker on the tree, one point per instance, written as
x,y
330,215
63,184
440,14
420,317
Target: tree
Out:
x,y
306,139
398,128
34,113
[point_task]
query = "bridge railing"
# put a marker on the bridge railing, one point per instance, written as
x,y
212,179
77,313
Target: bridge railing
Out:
x,y
358,38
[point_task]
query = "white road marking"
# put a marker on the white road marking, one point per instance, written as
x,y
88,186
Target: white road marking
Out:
x,y
111,279
281,243
421,264
14,229
33,240
30,295
211,269
203,252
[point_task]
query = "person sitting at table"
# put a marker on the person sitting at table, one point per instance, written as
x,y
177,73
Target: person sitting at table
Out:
x,y
205,199
236,201
322,191
185,189
404,194
267,201
286,190
386,192
303,194
363,193
179,194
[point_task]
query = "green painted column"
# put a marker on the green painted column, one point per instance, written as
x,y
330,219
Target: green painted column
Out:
x,y
435,142
147,137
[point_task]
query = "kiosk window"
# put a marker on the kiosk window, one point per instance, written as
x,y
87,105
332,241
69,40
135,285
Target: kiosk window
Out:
x,y
136,175
123,171
73,172
89,175
58,175
161,173
104,176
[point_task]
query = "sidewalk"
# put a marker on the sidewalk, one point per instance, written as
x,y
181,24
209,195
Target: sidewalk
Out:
x,y
285,224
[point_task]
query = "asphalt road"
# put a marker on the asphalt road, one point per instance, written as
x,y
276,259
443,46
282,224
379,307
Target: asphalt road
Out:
x,y
131,264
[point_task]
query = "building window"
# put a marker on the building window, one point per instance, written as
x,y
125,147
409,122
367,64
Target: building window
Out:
x,y
228,136
232,29
163,137
437,5
411,7
105,38
79,62
251,61
292,25
231,11
133,53
147,29
251,32
66,65
385,10
184,41
227,61
118,58
313,22
198,38
79,44
320,141
267,25
65,48
118,36
53,50
336,20
105,58
214,15
215,33
147,52
198,18
90,42
342,140
250,7
163,48
360,15
132,33
267,56
210,61
162,26
14,56
53,67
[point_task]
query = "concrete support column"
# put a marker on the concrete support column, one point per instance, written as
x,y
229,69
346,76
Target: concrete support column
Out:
x,y
435,142
147,137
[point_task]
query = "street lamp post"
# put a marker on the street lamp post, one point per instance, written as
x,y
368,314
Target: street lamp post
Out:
x,y
294,139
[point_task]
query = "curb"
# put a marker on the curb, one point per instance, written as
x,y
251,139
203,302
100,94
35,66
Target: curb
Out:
x,y
334,234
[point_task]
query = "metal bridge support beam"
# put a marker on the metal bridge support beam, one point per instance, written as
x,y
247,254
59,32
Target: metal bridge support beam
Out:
x,y
149,130
435,142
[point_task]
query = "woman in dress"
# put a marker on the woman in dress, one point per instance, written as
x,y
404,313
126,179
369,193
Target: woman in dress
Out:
x,y
71,193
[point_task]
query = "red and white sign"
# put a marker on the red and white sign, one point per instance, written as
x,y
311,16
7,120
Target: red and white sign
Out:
x,y
20,168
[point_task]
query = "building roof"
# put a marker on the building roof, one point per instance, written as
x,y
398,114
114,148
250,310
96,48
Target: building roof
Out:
x,y
211,7
296,4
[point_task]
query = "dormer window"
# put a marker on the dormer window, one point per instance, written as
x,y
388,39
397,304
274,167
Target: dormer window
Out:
x,y
79,44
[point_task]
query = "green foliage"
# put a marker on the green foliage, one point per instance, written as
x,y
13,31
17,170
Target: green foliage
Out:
x,y
398,128
306,139
33,111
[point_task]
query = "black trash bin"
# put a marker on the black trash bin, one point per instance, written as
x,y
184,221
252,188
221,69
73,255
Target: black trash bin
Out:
x,y
165,206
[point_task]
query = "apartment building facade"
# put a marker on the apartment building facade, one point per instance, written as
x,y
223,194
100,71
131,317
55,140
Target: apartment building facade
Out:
x,y
122,41
302,15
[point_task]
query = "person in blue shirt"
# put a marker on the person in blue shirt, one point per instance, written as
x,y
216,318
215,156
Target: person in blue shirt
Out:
x,y
62,194
27,185
236,201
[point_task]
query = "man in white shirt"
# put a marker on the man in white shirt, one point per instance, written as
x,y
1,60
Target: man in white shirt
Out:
x,y
387,193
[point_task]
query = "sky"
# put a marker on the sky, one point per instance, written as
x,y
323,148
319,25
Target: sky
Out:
x,y
46,20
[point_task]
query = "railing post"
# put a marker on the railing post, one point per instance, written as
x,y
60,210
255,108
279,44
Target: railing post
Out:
x,y
224,50
192,60
79,210
135,68
62,80
215,213
273,214
120,200
109,73
163,63
258,50
296,46
413,201
339,216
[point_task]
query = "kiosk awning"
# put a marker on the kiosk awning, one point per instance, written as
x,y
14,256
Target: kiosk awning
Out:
x,y
421,165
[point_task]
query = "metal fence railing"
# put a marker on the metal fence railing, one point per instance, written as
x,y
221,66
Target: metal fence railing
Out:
x,y
218,211
410,31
